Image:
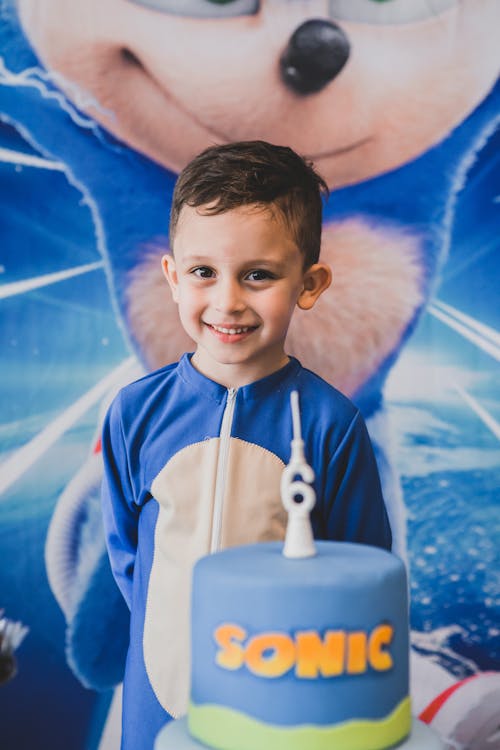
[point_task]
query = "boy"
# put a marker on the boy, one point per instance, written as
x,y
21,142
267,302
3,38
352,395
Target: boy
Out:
x,y
194,452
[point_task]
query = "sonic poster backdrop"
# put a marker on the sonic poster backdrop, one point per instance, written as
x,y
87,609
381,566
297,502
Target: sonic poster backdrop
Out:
x,y
101,103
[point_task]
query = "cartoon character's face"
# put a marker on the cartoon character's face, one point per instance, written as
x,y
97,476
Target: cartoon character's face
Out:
x,y
237,277
359,86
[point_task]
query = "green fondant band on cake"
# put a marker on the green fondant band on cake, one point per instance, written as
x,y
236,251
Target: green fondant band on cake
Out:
x,y
224,728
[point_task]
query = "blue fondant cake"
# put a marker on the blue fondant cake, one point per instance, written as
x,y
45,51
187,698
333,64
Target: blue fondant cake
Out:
x,y
299,654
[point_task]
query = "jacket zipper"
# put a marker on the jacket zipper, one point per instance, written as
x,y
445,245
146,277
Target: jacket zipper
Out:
x,y
220,481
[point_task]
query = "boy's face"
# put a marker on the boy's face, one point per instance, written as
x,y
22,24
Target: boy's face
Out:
x,y
236,278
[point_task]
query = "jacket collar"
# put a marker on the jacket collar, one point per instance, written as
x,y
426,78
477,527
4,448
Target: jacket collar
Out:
x,y
258,389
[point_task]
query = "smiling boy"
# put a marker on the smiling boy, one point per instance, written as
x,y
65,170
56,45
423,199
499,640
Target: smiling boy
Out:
x,y
194,452
237,277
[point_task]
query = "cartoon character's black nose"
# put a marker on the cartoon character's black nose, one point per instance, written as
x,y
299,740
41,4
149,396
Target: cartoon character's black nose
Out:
x,y
316,53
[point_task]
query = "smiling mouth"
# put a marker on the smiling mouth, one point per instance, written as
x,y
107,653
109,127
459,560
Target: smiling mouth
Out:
x,y
232,331
340,151
132,59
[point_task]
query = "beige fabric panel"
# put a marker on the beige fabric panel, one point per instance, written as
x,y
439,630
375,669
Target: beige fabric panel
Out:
x,y
253,511
185,490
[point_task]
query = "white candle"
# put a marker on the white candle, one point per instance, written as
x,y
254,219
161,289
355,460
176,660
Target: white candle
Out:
x,y
299,540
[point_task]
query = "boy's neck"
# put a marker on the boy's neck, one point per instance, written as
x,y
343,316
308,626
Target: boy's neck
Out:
x,y
238,375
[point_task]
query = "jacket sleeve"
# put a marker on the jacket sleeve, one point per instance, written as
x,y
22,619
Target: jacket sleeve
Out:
x,y
354,506
120,511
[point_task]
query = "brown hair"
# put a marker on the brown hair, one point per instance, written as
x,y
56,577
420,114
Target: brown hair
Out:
x,y
225,177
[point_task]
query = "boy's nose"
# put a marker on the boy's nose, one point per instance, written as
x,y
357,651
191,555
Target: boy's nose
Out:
x,y
229,297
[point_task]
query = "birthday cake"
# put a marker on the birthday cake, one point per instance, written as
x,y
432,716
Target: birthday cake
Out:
x,y
301,646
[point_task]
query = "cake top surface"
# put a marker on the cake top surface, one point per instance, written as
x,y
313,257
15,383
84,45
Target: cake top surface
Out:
x,y
334,563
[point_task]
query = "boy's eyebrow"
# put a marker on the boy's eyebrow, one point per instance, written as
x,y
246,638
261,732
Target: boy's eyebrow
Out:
x,y
265,262
188,259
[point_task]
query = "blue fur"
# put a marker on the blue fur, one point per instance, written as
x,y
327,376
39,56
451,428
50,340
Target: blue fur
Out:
x,y
97,635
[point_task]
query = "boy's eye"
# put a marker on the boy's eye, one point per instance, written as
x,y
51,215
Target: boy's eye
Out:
x,y
203,272
258,275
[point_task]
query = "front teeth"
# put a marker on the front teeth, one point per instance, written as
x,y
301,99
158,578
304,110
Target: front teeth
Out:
x,y
231,331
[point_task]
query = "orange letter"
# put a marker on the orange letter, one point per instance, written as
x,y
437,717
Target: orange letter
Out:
x,y
280,659
231,654
379,659
356,653
316,656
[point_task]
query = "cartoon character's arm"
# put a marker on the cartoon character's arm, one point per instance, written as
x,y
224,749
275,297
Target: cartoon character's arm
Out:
x,y
80,577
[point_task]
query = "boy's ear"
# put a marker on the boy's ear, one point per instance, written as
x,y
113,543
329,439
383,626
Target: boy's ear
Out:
x,y
170,273
317,278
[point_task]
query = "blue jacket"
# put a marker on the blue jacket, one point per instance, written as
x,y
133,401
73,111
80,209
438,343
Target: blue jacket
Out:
x,y
192,467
